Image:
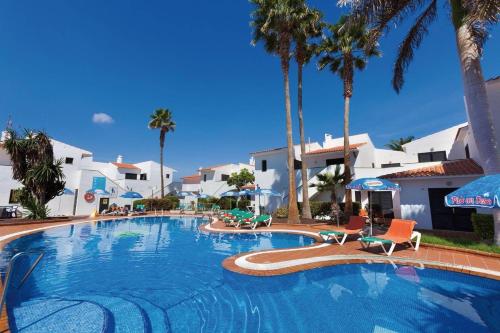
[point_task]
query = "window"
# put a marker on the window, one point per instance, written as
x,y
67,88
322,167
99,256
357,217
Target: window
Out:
x,y
131,176
205,177
14,196
357,196
467,152
264,165
297,165
144,176
167,175
390,165
432,156
334,161
68,160
224,178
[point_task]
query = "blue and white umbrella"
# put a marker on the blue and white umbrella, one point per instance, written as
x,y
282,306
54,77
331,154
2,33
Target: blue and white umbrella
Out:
x,y
131,195
67,191
98,191
202,196
184,194
481,193
265,192
372,185
230,194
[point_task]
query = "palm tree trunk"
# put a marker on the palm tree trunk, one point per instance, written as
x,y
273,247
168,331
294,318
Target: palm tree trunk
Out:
x,y
347,158
293,211
306,207
476,99
162,143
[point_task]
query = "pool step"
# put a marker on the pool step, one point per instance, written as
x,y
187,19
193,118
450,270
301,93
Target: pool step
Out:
x,y
128,316
155,314
59,315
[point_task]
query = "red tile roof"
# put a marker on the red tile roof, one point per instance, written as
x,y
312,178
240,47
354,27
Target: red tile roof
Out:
x,y
249,187
267,150
192,179
354,146
447,168
215,166
125,165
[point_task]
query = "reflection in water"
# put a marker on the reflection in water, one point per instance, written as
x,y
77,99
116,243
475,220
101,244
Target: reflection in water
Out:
x,y
164,275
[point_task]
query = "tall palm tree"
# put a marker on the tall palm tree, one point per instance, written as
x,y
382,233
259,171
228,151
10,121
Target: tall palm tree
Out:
x,y
330,182
343,51
397,145
310,27
162,120
471,20
274,22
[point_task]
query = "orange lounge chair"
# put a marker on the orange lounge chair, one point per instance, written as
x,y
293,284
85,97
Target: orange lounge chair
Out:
x,y
400,231
355,226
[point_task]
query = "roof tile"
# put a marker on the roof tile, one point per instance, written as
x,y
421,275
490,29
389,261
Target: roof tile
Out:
x,y
125,165
446,168
335,149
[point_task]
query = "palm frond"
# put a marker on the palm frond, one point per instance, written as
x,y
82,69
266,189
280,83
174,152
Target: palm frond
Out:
x,y
411,42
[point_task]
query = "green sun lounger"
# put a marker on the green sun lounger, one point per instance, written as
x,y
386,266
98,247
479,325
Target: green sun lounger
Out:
x,y
254,222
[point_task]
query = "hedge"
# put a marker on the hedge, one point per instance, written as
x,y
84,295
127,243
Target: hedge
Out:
x,y
483,226
167,203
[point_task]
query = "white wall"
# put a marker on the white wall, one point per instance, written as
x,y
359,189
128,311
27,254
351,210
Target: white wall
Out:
x,y
214,185
414,197
493,91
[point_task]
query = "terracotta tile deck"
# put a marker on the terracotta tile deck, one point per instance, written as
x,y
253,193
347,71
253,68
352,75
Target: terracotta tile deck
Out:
x,y
277,262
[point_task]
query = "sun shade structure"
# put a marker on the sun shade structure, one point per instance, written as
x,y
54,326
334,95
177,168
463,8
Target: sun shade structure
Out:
x,y
67,191
480,193
372,185
131,195
98,192
183,194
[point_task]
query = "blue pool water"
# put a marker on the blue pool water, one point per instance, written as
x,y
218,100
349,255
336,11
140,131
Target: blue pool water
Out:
x,y
164,275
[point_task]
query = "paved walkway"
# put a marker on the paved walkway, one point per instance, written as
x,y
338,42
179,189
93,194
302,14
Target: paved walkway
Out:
x,y
283,261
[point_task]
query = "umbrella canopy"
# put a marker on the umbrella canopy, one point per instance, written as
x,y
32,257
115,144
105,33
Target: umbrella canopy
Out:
x,y
67,191
372,184
131,195
481,193
230,194
183,194
98,192
268,192
202,196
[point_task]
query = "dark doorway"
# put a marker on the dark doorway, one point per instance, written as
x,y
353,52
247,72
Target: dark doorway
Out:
x,y
103,204
446,218
381,204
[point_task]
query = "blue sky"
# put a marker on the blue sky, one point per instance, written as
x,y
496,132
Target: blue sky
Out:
x,y
61,62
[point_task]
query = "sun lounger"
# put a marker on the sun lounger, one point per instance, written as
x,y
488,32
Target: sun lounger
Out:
x,y
399,232
255,221
354,227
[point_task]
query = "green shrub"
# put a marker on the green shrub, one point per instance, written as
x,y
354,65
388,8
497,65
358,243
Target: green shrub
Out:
x,y
167,203
243,204
320,208
282,212
483,226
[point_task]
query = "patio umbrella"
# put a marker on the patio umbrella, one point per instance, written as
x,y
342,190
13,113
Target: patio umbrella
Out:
x,y
183,194
265,192
67,191
131,195
98,192
372,185
202,196
231,194
480,193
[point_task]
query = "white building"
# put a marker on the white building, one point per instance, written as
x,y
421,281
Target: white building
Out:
x,y
213,179
82,173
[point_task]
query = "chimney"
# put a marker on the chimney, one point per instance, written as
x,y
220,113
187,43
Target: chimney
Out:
x,y
119,159
328,137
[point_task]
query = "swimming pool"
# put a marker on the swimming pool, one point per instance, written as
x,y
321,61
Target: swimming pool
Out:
x,y
164,275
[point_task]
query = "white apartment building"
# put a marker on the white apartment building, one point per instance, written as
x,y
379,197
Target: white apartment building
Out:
x,y
82,174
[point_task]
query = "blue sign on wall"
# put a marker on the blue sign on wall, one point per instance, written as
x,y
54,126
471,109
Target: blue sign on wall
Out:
x,y
99,183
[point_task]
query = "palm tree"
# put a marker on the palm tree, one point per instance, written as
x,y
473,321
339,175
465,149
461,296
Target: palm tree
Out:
x,y
397,145
309,27
162,119
345,50
330,182
34,166
471,20
274,23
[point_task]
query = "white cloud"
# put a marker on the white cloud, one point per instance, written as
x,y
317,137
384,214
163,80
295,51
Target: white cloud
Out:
x,y
102,118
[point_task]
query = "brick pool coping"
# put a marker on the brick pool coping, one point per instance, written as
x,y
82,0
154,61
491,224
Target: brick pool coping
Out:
x,y
322,254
